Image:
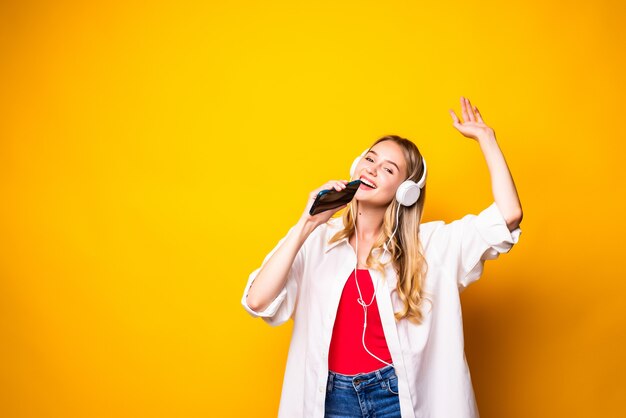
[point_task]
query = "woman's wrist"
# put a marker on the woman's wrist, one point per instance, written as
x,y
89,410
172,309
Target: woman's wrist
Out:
x,y
304,228
488,136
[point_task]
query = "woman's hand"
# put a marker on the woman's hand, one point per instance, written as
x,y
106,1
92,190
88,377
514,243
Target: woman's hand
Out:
x,y
473,126
322,217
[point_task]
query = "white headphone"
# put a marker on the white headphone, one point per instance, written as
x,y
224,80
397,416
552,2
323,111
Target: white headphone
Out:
x,y
408,192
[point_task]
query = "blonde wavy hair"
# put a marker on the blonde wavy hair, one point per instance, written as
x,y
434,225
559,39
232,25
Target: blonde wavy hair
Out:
x,y
407,253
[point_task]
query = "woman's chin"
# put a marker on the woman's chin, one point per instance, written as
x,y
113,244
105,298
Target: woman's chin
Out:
x,y
364,194
366,200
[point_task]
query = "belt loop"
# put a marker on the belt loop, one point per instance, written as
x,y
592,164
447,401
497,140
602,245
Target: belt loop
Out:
x,y
331,377
378,375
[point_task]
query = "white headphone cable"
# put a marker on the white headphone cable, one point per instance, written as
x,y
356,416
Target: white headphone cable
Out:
x,y
360,299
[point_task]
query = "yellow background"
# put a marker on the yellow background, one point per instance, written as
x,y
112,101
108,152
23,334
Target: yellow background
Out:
x,y
151,154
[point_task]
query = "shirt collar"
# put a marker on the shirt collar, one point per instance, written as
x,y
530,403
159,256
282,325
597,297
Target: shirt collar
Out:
x,y
334,226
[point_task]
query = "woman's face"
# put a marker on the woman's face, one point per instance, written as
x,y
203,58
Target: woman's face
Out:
x,y
384,167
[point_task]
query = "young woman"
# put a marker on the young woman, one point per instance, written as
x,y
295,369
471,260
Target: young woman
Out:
x,y
374,294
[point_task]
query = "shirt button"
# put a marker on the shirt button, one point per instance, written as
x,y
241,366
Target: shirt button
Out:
x,y
321,389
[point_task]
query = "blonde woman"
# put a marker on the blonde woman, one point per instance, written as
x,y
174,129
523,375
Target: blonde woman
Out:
x,y
374,294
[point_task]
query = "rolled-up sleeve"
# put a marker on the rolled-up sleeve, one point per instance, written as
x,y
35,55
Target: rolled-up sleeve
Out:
x,y
468,242
283,306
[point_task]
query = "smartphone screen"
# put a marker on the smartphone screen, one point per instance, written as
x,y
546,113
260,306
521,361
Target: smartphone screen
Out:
x,y
330,198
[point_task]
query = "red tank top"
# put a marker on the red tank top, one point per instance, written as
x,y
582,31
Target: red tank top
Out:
x,y
346,354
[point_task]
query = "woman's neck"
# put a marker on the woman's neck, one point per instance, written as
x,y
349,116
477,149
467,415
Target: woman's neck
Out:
x,y
369,222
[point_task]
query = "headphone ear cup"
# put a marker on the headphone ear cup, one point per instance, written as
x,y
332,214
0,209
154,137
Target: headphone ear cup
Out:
x,y
408,193
353,167
356,162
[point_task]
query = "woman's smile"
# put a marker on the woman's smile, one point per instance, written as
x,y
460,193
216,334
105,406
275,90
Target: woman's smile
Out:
x,y
364,186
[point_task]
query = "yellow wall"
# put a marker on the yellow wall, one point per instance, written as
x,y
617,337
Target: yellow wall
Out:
x,y
152,154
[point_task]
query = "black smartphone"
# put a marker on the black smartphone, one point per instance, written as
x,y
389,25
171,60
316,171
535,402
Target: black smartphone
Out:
x,y
330,198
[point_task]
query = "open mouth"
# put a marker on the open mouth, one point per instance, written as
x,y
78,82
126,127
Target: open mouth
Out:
x,y
367,184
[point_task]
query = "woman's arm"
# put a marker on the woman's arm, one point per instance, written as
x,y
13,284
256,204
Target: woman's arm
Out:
x,y
503,187
273,275
504,191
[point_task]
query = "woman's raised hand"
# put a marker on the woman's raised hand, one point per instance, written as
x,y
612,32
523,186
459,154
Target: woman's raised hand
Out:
x,y
323,217
473,126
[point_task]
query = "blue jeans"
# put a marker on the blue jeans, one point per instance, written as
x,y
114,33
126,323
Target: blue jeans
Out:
x,y
373,394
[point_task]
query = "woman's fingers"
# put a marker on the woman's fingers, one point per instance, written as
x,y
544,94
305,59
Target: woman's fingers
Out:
x,y
464,110
455,118
478,115
333,184
470,110
339,186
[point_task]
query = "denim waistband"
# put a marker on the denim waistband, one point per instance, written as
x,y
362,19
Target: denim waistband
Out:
x,y
375,376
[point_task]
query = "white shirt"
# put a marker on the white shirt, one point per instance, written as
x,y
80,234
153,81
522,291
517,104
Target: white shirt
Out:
x,y
429,359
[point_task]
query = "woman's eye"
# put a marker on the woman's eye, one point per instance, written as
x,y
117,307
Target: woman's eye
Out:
x,y
369,159
390,172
